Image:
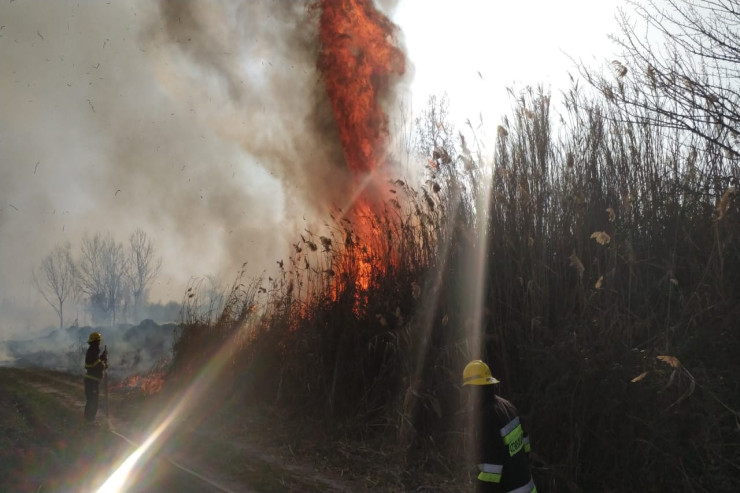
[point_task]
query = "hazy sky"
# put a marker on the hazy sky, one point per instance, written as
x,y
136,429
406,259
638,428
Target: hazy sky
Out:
x,y
474,49
204,123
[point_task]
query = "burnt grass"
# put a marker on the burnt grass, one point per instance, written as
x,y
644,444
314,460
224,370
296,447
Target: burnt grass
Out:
x,y
608,282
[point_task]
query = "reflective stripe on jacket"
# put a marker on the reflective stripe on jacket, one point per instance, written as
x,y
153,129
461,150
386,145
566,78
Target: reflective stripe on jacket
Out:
x,y
503,464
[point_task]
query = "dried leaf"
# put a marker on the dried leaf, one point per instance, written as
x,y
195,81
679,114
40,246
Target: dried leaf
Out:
x,y
619,68
415,290
651,75
612,215
724,202
576,263
599,282
608,93
601,237
671,360
639,377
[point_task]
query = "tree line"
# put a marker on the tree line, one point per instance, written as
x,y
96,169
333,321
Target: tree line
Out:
x,y
111,279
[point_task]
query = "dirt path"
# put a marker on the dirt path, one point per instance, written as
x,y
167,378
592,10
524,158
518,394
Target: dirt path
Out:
x,y
193,454
183,474
70,394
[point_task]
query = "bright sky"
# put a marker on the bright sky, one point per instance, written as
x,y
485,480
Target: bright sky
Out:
x,y
109,120
474,49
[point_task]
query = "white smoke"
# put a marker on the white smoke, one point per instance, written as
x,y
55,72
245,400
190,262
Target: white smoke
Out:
x,y
204,123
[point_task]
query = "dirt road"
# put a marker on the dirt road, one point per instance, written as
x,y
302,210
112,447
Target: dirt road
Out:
x,y
185,457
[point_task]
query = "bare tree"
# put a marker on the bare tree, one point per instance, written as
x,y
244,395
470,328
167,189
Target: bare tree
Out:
x,y
143,267
102,274
55,279
682,71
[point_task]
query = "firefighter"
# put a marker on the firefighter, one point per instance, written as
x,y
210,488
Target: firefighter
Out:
x,y
95,364
502,444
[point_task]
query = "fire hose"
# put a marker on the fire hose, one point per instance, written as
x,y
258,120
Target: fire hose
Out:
x,y
177,465
136,445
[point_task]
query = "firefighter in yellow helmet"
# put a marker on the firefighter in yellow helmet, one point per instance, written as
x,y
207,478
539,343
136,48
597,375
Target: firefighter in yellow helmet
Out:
x,y
95,363
502,454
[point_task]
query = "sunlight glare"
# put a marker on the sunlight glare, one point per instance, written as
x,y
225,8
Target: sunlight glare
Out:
x,y
185,405
116,482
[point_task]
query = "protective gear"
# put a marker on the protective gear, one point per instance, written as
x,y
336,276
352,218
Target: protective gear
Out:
x,y
94,336
95,365
503,462
477,373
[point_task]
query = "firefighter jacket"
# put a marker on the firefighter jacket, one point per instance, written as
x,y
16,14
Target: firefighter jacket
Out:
x,y
95,363
503,464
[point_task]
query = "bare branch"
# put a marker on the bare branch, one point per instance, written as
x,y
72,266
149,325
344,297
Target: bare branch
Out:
x,y
682,72
143,266
102,268
55,279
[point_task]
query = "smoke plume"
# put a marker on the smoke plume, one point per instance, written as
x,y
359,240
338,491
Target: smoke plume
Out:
x,y
207,124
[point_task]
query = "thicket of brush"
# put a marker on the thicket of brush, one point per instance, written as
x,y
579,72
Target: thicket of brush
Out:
x,y
602,245
610,244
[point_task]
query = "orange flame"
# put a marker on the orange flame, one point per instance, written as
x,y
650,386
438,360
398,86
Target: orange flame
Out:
x,y
149,384
359,61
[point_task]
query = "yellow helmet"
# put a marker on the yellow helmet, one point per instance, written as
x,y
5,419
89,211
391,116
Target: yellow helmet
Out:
x,y
477,373
94,337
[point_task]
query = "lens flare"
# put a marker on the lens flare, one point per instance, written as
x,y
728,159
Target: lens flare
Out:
x,y
120,478
166,423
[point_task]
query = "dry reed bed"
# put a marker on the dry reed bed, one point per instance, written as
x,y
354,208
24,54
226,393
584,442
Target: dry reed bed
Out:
x,y
607,243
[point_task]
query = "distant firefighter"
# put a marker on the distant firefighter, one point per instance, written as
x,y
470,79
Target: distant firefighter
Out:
x,y
502,452
95,364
